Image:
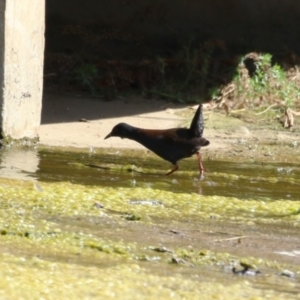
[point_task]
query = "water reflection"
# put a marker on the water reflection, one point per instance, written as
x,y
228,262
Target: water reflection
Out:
x,y
233,179
229,179
19,163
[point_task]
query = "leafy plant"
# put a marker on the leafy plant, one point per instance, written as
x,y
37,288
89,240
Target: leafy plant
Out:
x,y
285,89
86,74
185,77
269,82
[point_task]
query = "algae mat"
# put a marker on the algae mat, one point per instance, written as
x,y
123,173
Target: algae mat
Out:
x,y
133,236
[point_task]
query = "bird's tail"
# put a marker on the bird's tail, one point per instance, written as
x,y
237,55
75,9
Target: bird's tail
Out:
x,y
197,125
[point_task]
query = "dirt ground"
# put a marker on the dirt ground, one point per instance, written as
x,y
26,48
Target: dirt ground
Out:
x,y
62,120
69,121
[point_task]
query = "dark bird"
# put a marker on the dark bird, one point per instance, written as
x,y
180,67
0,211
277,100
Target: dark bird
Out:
x,y
170,144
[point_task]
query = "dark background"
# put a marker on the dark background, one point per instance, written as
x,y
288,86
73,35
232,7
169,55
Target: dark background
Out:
x,y
117,44
268,25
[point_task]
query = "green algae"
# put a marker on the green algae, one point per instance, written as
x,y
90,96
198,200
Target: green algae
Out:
x,y
38,230
73,199
81,232
49,280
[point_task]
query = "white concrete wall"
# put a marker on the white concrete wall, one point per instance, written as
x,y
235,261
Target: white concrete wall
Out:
x,y
21,73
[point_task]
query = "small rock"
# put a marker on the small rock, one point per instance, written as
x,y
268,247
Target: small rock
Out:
x,y
132,217
98,205
243,130
248,270
287,273
162,249
176,260
83,120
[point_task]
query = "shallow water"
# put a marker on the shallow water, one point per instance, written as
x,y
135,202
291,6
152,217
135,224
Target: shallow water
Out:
x,y
111,224
224,178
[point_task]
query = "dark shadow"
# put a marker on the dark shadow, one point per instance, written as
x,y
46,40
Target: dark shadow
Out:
x,y
155,49
61,109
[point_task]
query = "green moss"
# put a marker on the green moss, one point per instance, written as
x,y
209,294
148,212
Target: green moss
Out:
x,y
58,239
8,141
35,278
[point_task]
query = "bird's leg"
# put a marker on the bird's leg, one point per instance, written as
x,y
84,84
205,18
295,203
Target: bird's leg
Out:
x,y
201,168
175,168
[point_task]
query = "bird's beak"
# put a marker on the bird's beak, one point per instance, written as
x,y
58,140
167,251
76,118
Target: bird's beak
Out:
x,y
108,136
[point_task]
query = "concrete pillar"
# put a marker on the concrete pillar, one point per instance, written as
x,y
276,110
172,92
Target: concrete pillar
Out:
x,y
22,26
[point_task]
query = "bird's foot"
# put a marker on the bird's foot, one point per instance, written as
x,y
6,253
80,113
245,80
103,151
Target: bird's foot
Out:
x,y
175,168
201,174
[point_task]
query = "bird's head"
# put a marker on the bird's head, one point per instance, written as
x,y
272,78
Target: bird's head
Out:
x,y
120,130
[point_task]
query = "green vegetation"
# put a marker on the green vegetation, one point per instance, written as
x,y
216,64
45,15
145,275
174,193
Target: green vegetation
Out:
x,y
192,71
85,75
269,83
55,239
78,232
188,82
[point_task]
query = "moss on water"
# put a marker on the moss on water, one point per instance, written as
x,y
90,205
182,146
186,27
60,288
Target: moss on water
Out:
x,y
63,260
21,201
36,279
97,235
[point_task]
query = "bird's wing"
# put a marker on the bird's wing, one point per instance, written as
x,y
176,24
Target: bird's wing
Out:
x,y
197,125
